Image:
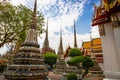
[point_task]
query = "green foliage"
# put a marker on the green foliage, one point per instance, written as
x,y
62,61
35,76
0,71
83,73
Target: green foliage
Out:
x,y
71,76
75,60
2,67
86,61
50,58
75,52
15,21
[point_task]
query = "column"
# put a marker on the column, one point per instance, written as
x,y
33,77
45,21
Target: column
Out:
x,y
116,29
111,66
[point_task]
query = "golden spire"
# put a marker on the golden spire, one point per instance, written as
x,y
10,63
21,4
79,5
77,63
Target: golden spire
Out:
x,y
34,22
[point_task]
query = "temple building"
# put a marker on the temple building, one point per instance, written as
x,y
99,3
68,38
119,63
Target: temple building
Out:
x,y
46,47
93,48
28,63
60,64
107,18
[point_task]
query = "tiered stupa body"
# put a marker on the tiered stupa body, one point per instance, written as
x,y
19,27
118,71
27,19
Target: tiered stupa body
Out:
x,y
46,47
60,64
28,63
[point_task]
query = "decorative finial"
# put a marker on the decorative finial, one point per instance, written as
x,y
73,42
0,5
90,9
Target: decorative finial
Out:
x,y
33,25
90,36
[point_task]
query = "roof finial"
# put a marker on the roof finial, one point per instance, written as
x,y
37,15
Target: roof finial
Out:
x,y
90,36
33,25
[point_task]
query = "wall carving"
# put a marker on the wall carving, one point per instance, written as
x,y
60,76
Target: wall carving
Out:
x,y
101,30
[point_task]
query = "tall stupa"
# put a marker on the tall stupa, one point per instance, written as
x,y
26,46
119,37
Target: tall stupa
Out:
x,y
28,63
75,39
46,48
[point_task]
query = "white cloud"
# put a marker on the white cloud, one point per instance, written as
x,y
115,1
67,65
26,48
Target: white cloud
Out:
x,y
60,13
18,2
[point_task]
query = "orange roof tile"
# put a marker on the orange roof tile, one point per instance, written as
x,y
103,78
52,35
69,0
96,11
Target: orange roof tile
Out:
x,y
96,44
86,45
96,41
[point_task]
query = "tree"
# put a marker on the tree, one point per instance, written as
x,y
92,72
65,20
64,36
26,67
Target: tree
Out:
x,y
15,21
50,58
75,52
86,61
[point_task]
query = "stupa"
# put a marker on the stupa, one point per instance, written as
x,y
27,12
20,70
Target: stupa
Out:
x,y
28,63
60,64
46,48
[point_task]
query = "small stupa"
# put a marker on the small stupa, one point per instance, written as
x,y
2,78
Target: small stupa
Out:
x,y
28,63
60,64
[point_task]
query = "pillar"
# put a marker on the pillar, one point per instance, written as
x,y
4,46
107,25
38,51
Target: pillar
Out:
x,y
111,66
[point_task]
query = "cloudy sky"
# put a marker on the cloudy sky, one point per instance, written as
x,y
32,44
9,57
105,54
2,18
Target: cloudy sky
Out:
x,y
62,13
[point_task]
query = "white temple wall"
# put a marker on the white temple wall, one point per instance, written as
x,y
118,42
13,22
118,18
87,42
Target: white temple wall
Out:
x,y
111,66
117,36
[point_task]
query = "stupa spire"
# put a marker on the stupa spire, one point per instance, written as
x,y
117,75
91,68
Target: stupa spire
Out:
x,y
60,50
75,40
32,33
46,42
33,25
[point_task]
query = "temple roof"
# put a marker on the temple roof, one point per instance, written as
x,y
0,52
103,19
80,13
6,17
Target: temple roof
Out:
x,y
102,13
95,44
109,4
96,41
67,51
86,45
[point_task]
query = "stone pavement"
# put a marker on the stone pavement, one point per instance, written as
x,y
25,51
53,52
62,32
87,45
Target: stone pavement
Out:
x,y
1,77
53,76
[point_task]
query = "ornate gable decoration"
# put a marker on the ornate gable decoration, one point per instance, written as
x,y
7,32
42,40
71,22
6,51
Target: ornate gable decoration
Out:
x,y
108,4
101,30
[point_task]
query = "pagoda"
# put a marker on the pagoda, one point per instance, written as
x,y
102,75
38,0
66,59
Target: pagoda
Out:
x,y
60,64
46,47
28,63
107,17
